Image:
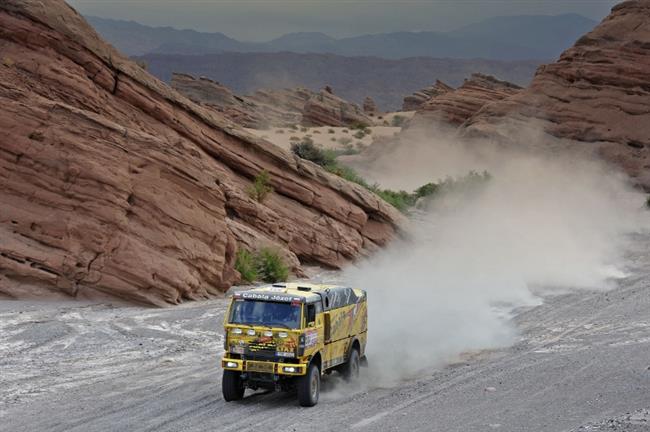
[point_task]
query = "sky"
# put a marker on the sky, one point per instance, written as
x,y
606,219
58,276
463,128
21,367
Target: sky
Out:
x,y
262,20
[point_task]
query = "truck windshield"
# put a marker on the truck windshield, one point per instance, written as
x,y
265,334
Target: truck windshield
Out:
x,y
272,314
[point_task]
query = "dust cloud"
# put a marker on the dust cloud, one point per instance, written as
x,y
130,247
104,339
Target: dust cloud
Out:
x,y
545,221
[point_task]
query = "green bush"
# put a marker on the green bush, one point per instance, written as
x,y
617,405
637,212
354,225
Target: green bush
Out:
x,y
246,265
271,267
308,150
398,121
261,187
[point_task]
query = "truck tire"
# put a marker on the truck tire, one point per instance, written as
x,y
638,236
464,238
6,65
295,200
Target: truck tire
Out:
x,y
309,387
232,386
350,369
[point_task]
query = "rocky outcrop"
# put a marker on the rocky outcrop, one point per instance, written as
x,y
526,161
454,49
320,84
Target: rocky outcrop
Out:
x,y
242,110
598,92
415,101
456,106
112,182
369,106
326,109
292,100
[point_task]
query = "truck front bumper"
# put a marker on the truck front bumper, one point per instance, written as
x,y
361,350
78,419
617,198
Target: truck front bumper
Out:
x,y
264,367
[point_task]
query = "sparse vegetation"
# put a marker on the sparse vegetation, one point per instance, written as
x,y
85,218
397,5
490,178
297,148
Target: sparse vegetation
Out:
x,y
401,200
360,134
294,138
333,139
261,187
303,129
279,131
266,265
331,131
271,266
316,131
345,131
345,141
398,121
293,127
142,64
246,266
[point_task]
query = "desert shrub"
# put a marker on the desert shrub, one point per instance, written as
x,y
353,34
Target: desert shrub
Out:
x,y
143,64
271,266
308,150
316,131
246,265
345,141
331,131
333,139
293,127
360,134
294,138
303,129
398,121
261,186
279,131
359,125
345,131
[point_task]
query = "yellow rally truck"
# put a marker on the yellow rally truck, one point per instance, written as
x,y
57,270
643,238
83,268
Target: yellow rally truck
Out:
x,y
286,336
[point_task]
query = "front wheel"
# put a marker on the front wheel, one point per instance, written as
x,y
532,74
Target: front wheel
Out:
x,y
232,386
309,387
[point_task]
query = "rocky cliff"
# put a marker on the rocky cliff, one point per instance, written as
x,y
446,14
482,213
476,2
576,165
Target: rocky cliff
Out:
x,y
416,100
327,109
598,92
454,107
243,110
112,182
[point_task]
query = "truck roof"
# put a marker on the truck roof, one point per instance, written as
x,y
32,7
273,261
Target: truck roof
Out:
x,y
296,291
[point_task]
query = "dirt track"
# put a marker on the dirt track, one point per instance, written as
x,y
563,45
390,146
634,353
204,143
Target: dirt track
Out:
x,y
583,363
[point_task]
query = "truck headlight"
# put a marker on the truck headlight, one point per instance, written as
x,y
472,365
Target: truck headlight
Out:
x,y
231,364
237,331
268,333
289,369
283,334
284,354
250,332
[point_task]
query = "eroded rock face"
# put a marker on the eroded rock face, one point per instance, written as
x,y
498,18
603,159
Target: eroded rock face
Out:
x,y
456,106
369,106
112,182
327,109
415,101
597,92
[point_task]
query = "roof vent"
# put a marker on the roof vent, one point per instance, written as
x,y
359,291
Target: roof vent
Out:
x,y
301,288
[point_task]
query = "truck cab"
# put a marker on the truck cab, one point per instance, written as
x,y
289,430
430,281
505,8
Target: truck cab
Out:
x,y
286,336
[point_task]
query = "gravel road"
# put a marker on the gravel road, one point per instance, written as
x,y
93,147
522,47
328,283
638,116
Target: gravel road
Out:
x,y
582,364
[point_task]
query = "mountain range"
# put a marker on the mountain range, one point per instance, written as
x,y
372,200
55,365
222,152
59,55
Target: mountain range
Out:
x,y
500,38
352,78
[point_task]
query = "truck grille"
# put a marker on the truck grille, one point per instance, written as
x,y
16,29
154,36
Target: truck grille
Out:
x,y
264,367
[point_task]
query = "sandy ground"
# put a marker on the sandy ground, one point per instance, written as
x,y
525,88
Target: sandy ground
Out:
x,y
582,364
335,138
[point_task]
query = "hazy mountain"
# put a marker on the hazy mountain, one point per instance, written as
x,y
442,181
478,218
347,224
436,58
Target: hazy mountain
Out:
x,y
353,78
502,38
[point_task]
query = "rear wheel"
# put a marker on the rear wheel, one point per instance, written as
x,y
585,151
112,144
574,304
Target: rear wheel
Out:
x,y
350,370
232,386
309,387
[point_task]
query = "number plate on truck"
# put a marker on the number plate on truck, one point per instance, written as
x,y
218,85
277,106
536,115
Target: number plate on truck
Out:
x,y
264,367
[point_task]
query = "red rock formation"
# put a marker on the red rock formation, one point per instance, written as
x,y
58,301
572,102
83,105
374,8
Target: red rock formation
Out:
x,y
242,110
326,109
415,101
597,92
369,106
113,182
455,107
